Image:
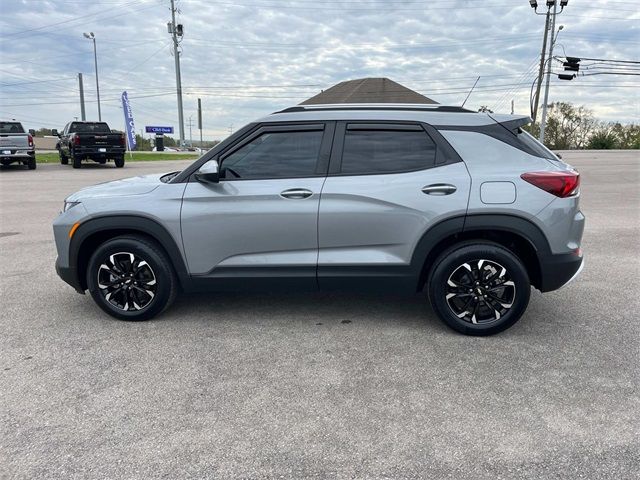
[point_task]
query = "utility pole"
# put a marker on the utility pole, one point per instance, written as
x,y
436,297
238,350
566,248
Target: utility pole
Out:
x,y
543,122
177,31
200,121
190,136
536,99
547,27
81,87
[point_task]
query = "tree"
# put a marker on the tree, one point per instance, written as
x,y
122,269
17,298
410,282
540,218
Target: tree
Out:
x,y
568,126
43,132
603,138
628,136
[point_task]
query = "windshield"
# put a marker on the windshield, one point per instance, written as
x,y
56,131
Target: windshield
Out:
x,y
527,139
11,127
89,128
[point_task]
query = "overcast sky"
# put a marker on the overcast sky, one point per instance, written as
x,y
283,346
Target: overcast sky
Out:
x,y
247,58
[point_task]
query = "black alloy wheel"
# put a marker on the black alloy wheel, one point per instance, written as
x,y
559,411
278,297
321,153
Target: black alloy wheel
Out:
x,y
480,291
131,278
127,281
479,287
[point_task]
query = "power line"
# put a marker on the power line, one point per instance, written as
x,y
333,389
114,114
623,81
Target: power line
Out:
x,y
77,18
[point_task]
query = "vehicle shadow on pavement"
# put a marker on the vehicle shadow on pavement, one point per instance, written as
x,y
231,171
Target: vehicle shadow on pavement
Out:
x,y
319,308
13,168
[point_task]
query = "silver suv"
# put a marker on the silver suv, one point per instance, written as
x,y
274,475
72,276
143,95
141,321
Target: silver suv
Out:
x,y
465,206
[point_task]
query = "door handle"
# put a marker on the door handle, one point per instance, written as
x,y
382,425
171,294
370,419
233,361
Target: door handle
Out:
x,y
439,189
296,193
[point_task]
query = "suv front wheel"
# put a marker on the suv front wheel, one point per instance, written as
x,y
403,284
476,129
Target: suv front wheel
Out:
x,y
479,288
131,278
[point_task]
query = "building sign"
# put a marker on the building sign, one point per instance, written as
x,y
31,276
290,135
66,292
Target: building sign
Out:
x,y
158,129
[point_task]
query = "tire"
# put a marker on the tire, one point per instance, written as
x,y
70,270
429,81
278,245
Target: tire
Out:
x,y
119,161
77,161
493,304
31,163
64,160
128,300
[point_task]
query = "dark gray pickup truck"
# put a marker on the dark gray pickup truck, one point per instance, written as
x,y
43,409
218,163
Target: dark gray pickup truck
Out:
x,y
90,141
16,145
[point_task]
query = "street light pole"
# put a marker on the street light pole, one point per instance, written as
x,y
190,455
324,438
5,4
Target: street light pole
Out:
x,y
92,37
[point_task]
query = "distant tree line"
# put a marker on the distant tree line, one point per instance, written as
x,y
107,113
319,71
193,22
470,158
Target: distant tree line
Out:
x,y
570,127
147,143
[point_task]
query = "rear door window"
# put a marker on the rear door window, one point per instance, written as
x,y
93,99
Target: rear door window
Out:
x,y
369,151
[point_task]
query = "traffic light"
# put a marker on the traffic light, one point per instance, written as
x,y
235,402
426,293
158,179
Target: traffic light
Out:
x,y
564,76
572,64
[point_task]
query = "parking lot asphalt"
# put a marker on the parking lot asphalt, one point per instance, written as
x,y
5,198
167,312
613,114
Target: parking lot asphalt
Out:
x,y
318,385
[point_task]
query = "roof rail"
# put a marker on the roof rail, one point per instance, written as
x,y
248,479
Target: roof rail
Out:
x,y
377,106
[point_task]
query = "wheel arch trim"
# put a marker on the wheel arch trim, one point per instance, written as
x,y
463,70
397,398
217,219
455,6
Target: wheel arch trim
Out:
x,y
129,224
427,247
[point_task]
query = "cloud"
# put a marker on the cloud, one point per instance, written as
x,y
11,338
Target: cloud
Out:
x,y
246,58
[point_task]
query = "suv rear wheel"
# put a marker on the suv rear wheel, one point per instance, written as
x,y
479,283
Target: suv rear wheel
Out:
x,y
131,278
479,288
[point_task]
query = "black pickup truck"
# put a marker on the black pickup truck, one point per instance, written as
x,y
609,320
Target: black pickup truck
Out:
x,y
90,141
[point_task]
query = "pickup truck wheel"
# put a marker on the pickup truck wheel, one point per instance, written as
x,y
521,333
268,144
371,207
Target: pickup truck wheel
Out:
x,y
479,288
119,161
131,278
64,160
31,163
77,161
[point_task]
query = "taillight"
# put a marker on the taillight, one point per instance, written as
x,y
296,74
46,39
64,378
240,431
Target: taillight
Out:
x,y
76,139
123,140
561,184
30,140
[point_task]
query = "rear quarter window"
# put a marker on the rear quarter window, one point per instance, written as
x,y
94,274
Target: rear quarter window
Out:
x,y
533,145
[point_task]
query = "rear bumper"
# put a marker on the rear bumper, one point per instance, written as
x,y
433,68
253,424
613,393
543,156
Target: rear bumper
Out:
x,y
69,275
93,152
17,155
556,271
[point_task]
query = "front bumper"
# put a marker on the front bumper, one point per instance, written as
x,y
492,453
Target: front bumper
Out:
x,y
70,276
556,271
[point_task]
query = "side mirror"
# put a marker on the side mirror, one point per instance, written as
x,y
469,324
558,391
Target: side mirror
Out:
x,y
209,172
32,132
54,132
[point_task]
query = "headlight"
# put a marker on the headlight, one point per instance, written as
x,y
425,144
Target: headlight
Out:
x,y
69,205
